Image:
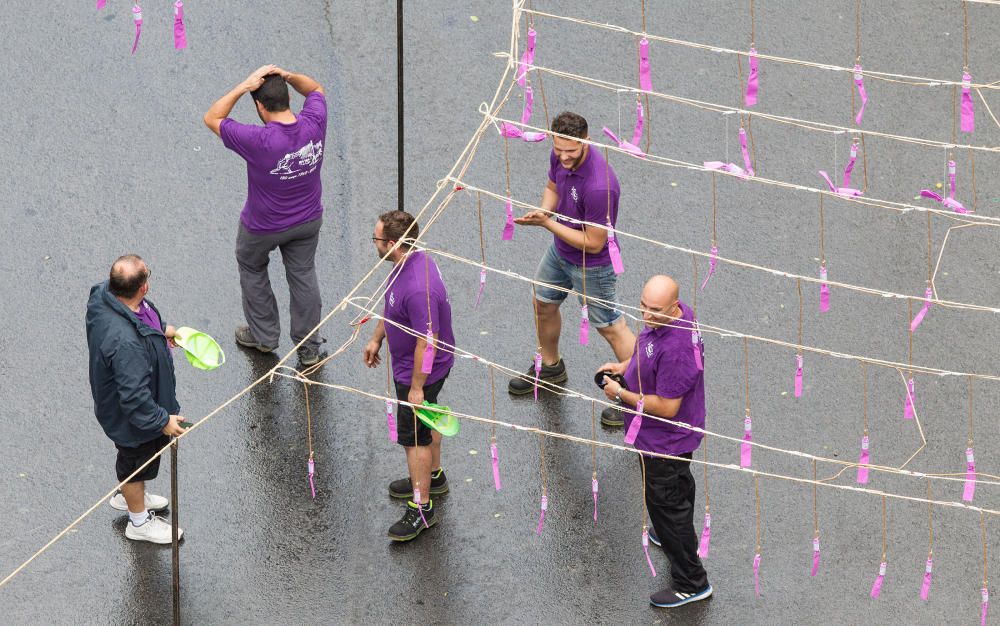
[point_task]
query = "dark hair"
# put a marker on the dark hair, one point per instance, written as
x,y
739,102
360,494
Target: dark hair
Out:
x,y
128,274
399,224
272,94
569,123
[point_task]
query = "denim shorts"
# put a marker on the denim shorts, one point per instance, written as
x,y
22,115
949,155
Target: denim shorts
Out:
x,y
601,281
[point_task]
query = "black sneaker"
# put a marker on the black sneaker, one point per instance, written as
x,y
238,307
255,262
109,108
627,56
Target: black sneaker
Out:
x,y
246,339
402,488
653,539
668,598
311,356
412,524
612,416
550,374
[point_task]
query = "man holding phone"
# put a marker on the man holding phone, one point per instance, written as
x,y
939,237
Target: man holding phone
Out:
x,y
134,388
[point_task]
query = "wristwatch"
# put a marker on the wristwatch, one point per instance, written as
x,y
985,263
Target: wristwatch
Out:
x,y
618,395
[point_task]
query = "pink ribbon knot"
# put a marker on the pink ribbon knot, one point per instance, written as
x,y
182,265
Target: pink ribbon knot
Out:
x,y
633,428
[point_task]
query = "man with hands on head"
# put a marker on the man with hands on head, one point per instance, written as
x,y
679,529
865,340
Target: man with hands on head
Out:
x,y
672,387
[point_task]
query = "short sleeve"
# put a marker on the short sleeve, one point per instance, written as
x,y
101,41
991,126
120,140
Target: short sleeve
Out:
x,y
676,374
314,109
553,164
240,138
595,205
418,314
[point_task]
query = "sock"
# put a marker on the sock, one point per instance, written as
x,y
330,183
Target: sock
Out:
x,y
138,519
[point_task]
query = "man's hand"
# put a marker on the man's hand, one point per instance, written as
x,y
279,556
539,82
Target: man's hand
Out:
x,y
280,72
416,396
371,353
611,388
173,427
614,368
170,333
533,218
256,79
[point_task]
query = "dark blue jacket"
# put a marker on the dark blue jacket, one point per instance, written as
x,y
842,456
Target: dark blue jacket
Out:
x,y
131,371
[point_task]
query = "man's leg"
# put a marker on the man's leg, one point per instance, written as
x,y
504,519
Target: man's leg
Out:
x,y
135,496
259,305
670,491
549,327
435,450
620,337
298,253
418,461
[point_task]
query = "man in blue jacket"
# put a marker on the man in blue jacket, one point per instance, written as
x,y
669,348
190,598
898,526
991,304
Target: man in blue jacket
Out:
x,y
132,381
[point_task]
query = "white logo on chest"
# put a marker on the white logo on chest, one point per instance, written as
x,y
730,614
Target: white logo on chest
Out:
x,y
572,194
649,350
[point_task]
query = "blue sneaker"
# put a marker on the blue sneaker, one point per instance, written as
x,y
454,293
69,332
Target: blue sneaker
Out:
x,y
653,539
668,598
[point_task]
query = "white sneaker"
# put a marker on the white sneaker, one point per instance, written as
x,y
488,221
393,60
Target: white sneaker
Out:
x,y
153,502
155,530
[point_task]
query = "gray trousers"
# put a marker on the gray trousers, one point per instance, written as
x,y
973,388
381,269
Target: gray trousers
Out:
x,y
298,254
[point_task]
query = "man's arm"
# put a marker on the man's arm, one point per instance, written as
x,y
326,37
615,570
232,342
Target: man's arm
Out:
x,y
370,354
416,395
651,404
222,107
592,240
131,372
300,82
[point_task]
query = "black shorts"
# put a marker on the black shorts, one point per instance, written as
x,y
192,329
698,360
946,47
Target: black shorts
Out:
x,y
129,459
405,416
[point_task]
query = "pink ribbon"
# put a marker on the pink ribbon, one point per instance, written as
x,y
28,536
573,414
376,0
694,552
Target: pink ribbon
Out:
x,y
312,472
756,574
593,489
908,406
926,586
390,419
824,291
706,536
508,227
428,363
538,372
100,4
137,16
645,548
970,476
529,99
420,507
510,130
843,192
877,585
527,58
614,252
746,449
948,203
752,84
696,348
850,164
482,286
747,163
584,326
624,145
180,34
859,80
730,168
496,465
633,428
986,606
639,121
951,179
864,460
645,80
968,114
541,520
798,375
815,567
713,260
928,294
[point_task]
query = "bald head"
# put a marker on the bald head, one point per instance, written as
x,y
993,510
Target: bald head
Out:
x,y
659,300
128,276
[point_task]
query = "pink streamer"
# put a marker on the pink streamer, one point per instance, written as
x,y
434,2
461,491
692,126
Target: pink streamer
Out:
x,y
696,348
877,585
527,58
747,163
312,472
541,520
614,252
730,168
970,476
986,606
100,4
593,489
645,80
850,164
864,460
843,192
798,375
706,536
713,260
948,203
137,16
908,407
390,419
538,372
756,574
584,326
859,80
482,286
925,588
428,363
815,567
420,507
496,465
968,114
633,428
645,548
639,121
928,294
529,99
951,179
508,227
824,291
509,130
746,450
624,145
180,34
752,80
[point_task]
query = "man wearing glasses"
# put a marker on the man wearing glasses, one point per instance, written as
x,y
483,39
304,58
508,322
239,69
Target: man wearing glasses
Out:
x,y
667,376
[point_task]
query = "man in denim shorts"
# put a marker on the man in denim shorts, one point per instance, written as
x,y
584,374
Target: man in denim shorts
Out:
x,y
581,187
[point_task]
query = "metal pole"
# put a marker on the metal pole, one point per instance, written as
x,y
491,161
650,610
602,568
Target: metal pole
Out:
x,y
176,556
399,105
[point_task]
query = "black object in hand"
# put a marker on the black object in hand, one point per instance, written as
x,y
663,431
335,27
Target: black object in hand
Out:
x,y
618,378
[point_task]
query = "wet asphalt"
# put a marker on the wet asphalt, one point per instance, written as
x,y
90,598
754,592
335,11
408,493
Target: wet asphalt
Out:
x,y
105,153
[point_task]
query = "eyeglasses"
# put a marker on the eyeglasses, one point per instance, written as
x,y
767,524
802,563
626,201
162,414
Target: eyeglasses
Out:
x,y
374,239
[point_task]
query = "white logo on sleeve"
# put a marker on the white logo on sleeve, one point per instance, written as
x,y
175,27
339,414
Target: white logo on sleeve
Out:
x,y
392,299
299,163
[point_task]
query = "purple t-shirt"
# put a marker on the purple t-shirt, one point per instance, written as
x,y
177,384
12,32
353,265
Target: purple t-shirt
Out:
x,y
283,167
147,315
406,305
668,371
583,195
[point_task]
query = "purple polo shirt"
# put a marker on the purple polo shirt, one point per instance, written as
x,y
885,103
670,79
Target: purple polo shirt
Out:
x,y
668,371
583,195
406,304
283,167
148,316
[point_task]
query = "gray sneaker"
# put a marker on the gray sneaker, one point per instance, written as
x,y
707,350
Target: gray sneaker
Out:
x,y
311,356
246,339
553,374
612,416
